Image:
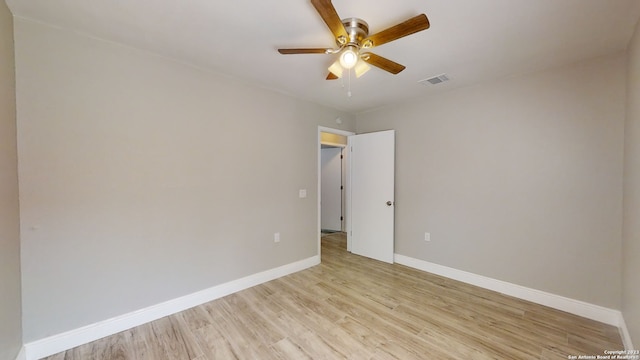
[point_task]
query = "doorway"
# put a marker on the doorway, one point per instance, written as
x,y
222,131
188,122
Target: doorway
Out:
x,y
369,189
331,145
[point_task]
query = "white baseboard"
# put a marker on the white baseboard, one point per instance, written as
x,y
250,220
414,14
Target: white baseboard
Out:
x,y
576,307
624,334
70,339
22,355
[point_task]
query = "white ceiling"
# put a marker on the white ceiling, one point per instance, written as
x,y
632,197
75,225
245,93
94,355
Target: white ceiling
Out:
x,y
470,40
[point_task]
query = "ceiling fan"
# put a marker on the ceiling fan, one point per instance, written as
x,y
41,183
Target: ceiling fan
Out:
x,y
352,37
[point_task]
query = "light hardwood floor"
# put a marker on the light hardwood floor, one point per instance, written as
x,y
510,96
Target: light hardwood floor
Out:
x,y
356,308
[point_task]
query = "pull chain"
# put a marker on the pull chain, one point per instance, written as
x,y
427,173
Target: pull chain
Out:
x,y
349,88
348,83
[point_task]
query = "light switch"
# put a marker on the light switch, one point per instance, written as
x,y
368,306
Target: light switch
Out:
x,y
302,193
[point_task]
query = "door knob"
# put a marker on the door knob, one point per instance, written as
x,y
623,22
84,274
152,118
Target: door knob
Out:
x,y
389,203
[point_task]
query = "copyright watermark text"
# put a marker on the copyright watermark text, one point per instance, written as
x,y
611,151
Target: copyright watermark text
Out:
x,y
610,355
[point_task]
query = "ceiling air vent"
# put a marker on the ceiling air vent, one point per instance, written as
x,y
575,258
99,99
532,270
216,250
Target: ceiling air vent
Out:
x,y
435,80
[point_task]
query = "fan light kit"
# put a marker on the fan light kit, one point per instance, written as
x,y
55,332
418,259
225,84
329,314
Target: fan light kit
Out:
x,y
349,57
352,36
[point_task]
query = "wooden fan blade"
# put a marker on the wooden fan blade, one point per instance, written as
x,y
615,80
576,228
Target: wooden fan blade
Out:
x,y
332,76
302,51
411,26
331,18
383,63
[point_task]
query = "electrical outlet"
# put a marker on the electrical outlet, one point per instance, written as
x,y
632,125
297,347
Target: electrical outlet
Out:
x,y
276,237
427,236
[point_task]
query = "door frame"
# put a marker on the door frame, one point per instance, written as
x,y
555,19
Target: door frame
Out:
x,y
347,185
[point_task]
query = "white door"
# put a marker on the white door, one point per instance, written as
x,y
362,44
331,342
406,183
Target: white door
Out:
x,y
331,189
372,194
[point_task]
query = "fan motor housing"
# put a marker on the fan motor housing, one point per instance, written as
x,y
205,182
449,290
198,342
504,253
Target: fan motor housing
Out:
x,y
357,29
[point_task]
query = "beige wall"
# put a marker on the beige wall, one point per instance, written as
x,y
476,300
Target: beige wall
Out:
x,y
631,227
143,180
518,180
10,303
